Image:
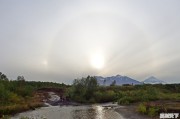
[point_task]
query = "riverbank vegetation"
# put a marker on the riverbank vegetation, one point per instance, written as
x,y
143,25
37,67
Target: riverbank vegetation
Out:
x,y
86,90
20,95
152,99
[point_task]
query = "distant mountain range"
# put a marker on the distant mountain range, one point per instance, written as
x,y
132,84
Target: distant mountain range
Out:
x,y
119,80
153,80
122,80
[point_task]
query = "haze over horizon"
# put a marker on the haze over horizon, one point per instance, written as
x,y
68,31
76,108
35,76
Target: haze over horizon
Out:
x,y
61,40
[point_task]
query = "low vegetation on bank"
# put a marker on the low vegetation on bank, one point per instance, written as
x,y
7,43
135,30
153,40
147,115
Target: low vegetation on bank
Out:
x,y
152,99
86,90
20,95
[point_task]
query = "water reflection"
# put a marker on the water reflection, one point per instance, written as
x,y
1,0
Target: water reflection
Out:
x,y
99,112
71,112
84,113
95,112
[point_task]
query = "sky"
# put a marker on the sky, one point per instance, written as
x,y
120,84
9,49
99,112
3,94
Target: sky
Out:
x,y
60,40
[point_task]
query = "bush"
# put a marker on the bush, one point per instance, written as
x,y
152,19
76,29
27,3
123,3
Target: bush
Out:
x,y
142,108
148,109
125,100
98,96
152,111
83,89
92,100
105,96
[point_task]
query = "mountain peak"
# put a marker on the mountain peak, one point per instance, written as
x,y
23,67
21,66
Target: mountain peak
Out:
x,y
153,80
152,77
120,80
118,75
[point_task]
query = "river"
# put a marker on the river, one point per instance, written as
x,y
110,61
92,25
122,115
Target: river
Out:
x,y
98,111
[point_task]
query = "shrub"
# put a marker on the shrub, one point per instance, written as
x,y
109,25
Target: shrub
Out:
x,y
98,96
142,108
105,96
152,111
125,100
92,100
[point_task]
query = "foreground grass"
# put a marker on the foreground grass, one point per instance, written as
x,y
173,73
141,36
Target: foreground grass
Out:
x,y
24,104
20,95
153,99
154,108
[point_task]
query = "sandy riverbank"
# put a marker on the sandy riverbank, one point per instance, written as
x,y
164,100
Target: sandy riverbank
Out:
x,y
129,112
167,106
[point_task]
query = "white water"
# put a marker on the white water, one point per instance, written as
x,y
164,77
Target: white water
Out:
x,y
53,97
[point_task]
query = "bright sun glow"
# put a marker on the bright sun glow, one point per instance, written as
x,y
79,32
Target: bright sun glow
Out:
x,y
97,61
44,62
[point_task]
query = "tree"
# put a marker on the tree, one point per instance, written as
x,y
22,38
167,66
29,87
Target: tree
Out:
x,y
83,89
113,83
90,87
3,76
104,82
20,78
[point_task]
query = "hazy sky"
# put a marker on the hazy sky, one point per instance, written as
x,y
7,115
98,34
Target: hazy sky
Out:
x,y
51,40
